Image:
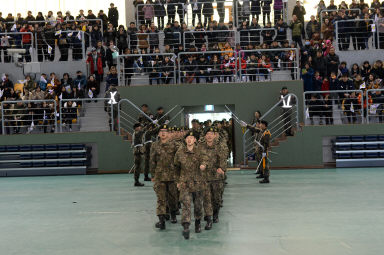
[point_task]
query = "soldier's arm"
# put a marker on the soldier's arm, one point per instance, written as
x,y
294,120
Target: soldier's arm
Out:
x,y
253,129
177,165
152,161
222,153
265,142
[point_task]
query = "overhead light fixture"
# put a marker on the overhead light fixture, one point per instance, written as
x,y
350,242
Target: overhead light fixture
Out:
x,y
209,108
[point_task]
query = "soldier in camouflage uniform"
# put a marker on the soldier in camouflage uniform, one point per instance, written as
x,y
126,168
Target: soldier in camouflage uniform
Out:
x,y
148,136
163,176
263,145
216,167
138,150
144,120
197,128
190,166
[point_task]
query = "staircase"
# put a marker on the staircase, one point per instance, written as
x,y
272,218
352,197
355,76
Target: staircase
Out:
x,y
93,117
276,126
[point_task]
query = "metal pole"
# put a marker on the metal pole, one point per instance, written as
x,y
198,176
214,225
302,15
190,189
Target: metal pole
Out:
x,y
118,118
83,44
61,117
244,147
112,117
366,96
240,74
55,105
119,71
2,119
180,63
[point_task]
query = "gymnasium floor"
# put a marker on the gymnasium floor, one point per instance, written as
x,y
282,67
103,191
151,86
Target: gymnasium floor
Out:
x,y
313,212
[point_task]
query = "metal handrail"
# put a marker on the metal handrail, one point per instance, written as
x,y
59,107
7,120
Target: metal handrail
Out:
x,y
367,98
329,92
23,33
332,10
121,79
50,101
278,104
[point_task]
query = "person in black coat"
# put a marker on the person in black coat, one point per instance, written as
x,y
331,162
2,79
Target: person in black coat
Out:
x,y
160,13
266,10
256,9
110,34
122,36
113,15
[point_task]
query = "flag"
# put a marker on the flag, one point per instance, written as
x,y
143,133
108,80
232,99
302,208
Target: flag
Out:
x,y
307,113
362,86
42,79
58,32
141,59
79,35
49,50
13,28
70,34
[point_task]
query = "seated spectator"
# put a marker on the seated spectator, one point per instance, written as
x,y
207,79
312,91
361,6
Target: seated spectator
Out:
x,y
111,78
55,83
202,69
317,81
265,67
214,69
69,114
365,70
167,71
378,69
29,84
315,108
67,83
355,70
227,69
80,81
189,69
227,50
252,65
154,70
343,69
92,88
328,110
350,107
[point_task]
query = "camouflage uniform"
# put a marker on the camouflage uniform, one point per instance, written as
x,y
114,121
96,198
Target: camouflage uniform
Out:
x,y
265,142
138,150
163,172
148,140
217,158
191,181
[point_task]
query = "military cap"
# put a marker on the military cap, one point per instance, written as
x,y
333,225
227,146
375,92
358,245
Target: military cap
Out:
x,y
177,129
210,129
185,128
192,133
164,127
136,125
264,122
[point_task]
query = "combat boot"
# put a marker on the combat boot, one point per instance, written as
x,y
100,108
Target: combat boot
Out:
x,y
147,179
209,223
216,217
265,180
167,217
197,226
138,184
186,230
260,176
173,218
161,223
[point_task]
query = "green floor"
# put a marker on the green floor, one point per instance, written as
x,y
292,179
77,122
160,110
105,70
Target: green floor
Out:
x,y
301,212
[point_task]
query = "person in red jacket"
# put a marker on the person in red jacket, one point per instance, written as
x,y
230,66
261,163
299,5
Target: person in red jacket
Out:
x,y
236,66
95,64
27,41
325,86
265,67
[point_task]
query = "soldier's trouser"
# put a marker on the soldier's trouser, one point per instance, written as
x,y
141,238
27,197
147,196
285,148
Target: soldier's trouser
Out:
x,y
215,190
166,193
186,198
207,201
137,168
265,166
258,157
146,158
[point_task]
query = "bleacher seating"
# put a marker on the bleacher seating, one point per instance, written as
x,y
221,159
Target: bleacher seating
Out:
x,y
49,159
359,151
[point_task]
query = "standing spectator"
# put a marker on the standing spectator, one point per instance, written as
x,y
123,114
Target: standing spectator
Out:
x,y
207,12
299,11
327,30
332,62
62,42
154,40
68,17
160,13
320,64
149,12
110,34
313,27
278,10
101,15
256,9
132,33
95,62
296,27
171,11
281,28
113,15
91,17
142,36
196,10
111,79
307,75
96,35
244,34
380,28
27,41
111,55
267,11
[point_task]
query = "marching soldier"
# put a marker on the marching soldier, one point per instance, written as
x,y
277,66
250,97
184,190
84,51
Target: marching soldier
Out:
x,y
190,166
138,150
216,167
264,137
148,136
163,175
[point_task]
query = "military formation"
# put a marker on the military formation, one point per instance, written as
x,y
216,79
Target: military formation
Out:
x,y
188,166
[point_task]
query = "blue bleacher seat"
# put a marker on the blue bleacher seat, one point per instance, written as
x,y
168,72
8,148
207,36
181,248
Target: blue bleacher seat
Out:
x,y
77,146
78,163
38,164
78,154
343,139
381,146
343,147
25,156
38,156
344,156
38,147
26,164
357,138
381,154
51,164
51,155
358,155
64,163
13,148
371,155
63,147
25,147
381,137
371,138
357,147
64,155
371,146
3,148
51,147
